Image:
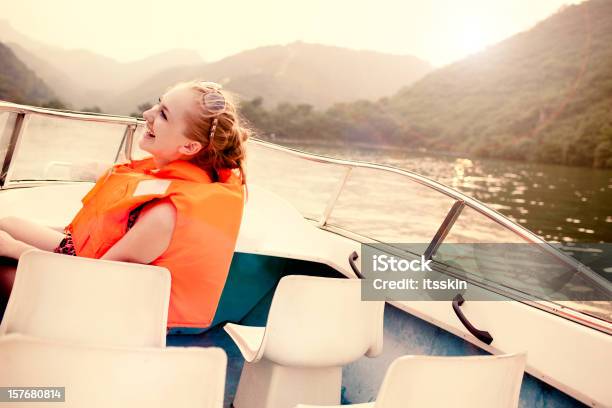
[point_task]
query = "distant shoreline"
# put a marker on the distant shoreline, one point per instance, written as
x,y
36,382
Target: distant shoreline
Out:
x,y
418,150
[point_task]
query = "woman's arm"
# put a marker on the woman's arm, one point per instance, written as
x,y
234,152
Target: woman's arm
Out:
x,y
148,238
18,235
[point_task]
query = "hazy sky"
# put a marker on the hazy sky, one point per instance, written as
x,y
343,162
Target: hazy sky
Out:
x,y
439,31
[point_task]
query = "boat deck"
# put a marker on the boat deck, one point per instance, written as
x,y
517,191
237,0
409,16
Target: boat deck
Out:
x,y
216,337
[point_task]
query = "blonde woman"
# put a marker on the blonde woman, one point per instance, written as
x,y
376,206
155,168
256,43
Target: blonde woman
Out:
x,y
180,209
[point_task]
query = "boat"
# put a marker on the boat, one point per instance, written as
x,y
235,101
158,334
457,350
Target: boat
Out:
x,y
308,214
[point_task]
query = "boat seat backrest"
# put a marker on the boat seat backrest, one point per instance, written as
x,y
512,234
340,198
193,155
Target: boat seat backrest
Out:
x,y
316,321
102,377
458,382
90,301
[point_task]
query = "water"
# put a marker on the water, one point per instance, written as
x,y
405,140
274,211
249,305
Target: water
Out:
x,y
559,203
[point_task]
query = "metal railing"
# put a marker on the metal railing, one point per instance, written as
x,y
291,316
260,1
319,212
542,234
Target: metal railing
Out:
x,y
131,125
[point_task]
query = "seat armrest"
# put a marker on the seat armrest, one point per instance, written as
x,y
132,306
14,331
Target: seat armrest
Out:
x,y
249,340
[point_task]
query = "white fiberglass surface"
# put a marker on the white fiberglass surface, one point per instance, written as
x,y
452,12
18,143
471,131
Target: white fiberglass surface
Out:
x,y
67,150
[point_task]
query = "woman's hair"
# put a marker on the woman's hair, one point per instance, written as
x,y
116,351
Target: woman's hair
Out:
x,y
216,125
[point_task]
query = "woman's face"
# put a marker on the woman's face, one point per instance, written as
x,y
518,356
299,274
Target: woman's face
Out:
x,y
165,136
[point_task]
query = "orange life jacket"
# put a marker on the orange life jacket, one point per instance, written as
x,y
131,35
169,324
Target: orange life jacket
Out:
x,y
208,217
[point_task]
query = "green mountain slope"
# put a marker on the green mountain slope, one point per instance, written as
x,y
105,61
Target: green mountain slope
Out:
x,y
542,95
82,77
18,83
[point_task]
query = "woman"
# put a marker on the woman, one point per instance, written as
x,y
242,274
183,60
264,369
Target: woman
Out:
x,y
180,209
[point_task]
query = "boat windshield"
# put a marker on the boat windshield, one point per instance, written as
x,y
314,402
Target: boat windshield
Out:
x,y
36,146
406,211
366,202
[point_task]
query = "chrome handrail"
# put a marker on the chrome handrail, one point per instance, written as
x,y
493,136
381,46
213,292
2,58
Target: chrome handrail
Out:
x,y
68,114
133,123
5,170
456,195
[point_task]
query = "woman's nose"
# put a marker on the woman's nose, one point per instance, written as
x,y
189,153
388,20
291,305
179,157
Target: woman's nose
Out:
x,y
147,114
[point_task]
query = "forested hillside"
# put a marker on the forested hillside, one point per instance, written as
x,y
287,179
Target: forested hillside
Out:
x,y
543,95
18,83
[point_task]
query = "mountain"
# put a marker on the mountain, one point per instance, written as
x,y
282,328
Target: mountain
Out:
x,y
82,77
18,83
306,73
303,73
63,85
542,95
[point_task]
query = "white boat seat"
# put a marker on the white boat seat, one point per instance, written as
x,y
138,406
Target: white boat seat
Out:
x,y
102,377
315,326
441,382
84,300
247,338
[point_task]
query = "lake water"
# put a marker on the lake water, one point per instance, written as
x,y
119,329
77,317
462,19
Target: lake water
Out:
x,y
559,203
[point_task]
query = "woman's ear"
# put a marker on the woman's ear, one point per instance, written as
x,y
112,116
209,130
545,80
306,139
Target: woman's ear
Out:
x,y
190,148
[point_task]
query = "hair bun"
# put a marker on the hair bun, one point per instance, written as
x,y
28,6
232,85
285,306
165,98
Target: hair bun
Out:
x,y
218,128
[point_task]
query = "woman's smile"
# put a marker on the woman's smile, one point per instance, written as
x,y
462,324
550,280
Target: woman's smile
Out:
x,y
149,133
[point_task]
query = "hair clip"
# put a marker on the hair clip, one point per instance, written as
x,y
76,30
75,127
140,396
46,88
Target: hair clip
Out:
x,y
213,127
208,84
214,102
